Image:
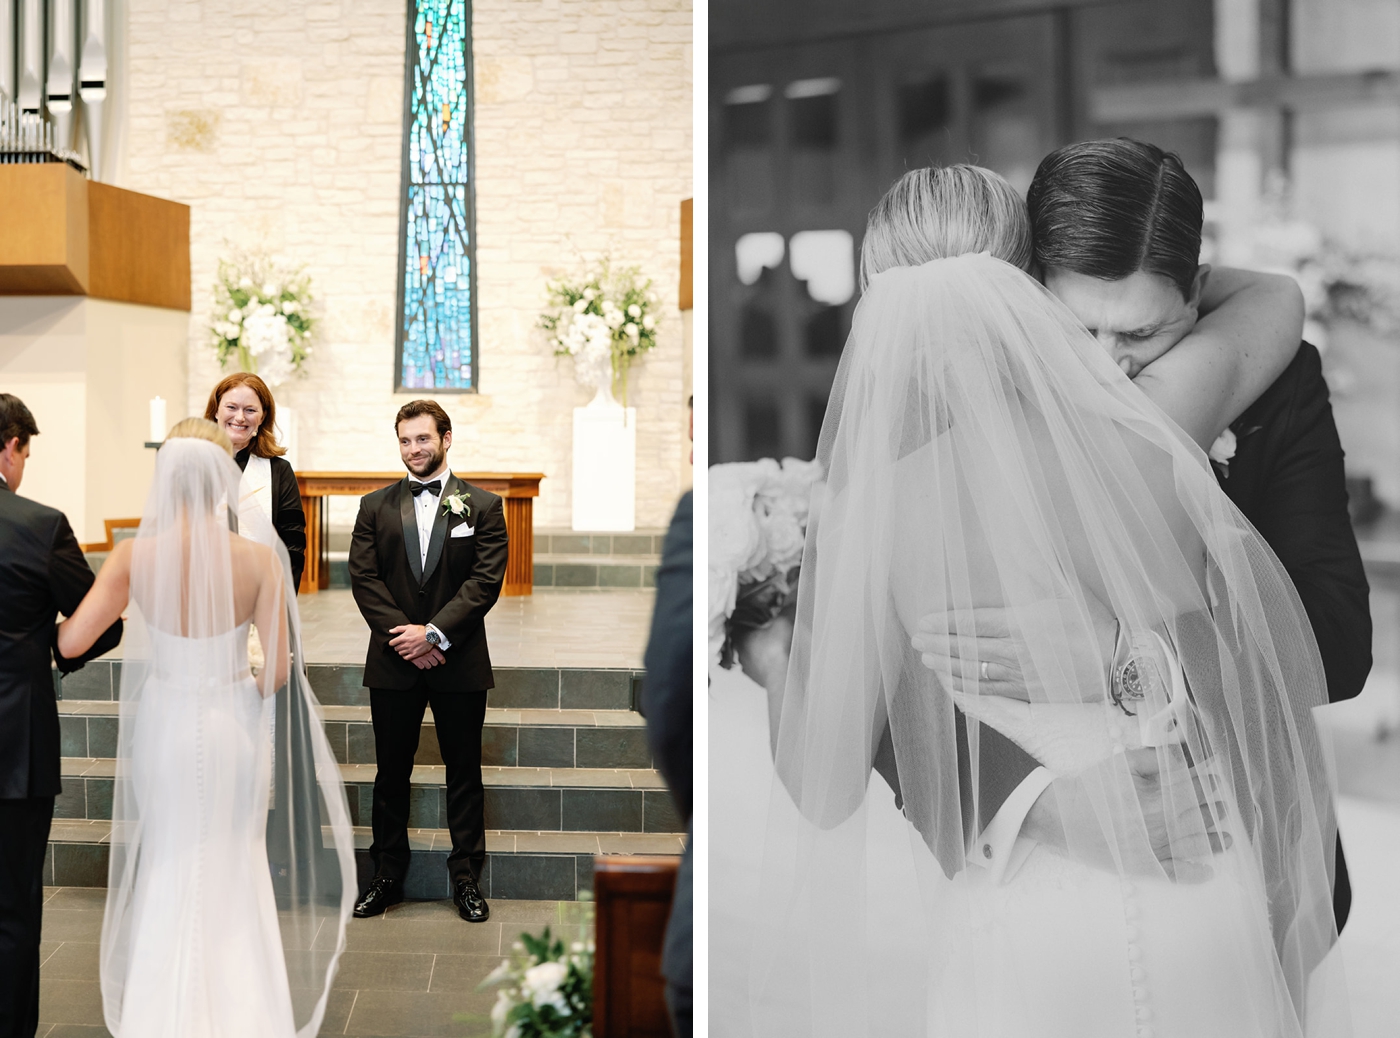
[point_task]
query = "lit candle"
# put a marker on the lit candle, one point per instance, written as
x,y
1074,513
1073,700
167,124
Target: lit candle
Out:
x,y
157,420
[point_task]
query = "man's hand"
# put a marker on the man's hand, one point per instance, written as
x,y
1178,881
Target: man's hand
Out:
x,y
411,642
428,660
982,649
1173,826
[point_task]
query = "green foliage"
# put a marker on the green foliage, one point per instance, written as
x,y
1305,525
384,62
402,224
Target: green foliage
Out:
x,y
546,989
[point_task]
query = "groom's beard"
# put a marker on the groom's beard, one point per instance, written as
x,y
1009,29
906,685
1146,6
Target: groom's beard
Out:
x,y
427,468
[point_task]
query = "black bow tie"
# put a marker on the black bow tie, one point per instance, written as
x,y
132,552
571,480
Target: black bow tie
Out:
x,y
434,488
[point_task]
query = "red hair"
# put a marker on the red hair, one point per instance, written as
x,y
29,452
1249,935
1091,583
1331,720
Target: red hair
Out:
x,y
264,444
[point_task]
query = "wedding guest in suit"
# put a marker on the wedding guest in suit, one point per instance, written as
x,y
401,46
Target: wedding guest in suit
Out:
x,y
427,561
42,573
670,714
243,407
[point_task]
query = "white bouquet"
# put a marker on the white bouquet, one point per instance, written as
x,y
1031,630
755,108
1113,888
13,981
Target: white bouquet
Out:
x,y
604,322
546,991
262,313
758,528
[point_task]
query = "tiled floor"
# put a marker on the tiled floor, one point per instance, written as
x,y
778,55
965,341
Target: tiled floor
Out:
x,y
411,973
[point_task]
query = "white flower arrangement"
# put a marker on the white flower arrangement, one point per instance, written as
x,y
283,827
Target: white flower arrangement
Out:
x,y
758,528
457,504
263,314
546,991
604,322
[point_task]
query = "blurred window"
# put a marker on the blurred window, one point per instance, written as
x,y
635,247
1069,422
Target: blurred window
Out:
x,y
812,110
826,261
763,428
924,107
748,117
826,332
758,333
753,252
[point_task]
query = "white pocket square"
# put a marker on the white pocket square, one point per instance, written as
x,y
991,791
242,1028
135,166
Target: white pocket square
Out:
x,y
463,531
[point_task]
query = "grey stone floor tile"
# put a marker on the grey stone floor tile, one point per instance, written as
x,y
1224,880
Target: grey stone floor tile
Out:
x,y
72,960
389,1014
451,934
462,972
72,925
76,898
385,971
70,1001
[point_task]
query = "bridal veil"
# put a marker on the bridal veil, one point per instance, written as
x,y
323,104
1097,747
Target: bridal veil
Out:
x,y
983,453
218,793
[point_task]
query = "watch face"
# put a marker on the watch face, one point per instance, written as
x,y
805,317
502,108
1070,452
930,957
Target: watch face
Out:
x,y
432,637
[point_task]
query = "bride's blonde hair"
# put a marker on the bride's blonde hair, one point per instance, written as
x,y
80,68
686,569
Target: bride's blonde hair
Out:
x,y
200,429
944,211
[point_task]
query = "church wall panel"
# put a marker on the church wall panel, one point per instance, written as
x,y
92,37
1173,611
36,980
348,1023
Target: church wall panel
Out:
x,y
284,129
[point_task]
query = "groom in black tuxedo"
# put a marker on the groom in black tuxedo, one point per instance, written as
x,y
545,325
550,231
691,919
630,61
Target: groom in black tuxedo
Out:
x,y
427,561
1116,228
42,573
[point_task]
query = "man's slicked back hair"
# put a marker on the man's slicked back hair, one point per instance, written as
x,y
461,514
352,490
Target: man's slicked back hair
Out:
x,y
1110,208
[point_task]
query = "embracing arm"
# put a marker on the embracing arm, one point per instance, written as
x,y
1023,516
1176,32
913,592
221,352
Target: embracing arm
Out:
x,y
99,614
1249,330
482,587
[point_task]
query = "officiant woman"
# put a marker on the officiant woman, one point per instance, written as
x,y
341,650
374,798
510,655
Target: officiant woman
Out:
x,y
243,407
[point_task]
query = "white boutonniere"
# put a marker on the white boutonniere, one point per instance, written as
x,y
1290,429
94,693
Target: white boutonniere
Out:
x,y
1223,449
457,504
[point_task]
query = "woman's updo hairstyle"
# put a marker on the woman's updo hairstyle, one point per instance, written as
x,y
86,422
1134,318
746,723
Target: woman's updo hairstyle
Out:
x,y
944,211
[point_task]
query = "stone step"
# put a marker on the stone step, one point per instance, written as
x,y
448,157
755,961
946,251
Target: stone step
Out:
x,y
569,800
568,571
342,684
545,866
510,738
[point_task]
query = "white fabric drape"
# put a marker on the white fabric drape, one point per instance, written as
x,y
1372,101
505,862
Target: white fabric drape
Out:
x,y
982,452
232,869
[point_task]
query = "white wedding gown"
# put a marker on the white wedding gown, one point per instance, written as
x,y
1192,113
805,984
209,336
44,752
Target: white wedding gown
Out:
x,y
206,952
231,874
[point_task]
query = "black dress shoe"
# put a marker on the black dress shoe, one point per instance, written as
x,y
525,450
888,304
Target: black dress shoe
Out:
x,y
382,893
470,904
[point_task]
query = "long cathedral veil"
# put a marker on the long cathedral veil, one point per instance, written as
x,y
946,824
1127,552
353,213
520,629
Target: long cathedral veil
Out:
x,y
982,452
242,820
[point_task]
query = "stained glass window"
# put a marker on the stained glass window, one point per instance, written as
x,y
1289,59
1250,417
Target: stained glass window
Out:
x,y
437,341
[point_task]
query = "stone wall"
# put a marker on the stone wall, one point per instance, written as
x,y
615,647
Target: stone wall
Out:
x,y
280,124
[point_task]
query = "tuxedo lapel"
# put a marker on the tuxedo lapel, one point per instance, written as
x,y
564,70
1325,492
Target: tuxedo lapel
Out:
x,y
410,532
454,486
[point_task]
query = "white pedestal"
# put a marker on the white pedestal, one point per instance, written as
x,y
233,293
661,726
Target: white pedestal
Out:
x,y
605,469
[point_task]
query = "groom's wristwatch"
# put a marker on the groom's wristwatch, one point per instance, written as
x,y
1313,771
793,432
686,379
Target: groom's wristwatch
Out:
x,y
433,638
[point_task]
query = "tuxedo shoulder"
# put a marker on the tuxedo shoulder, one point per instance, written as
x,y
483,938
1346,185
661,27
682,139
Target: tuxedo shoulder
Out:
x,y
375,498
1300,383
28,512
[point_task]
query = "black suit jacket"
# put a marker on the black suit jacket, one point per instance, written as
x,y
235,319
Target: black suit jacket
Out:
x,y
42,573
288,517
454,589
1288,478
670,712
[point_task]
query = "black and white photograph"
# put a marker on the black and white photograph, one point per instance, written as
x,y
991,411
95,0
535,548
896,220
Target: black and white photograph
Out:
x,y
1053,561
346,537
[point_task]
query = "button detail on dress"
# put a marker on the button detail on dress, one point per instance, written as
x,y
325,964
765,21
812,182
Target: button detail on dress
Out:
x,y
986,850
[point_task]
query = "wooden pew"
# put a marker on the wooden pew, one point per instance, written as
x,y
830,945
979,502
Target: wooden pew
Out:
x,y
633,895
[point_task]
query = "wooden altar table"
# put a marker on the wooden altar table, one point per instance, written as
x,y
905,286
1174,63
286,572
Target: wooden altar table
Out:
x,y
518,488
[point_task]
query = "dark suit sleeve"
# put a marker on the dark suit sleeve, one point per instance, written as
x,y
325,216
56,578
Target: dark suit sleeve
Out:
x,y
372,595
1001,766
70,579
666,689
1302,513
289,517
482,587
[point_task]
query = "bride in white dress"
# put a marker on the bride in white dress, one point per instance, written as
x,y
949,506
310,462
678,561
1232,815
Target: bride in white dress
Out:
x,y
232,867
984,457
